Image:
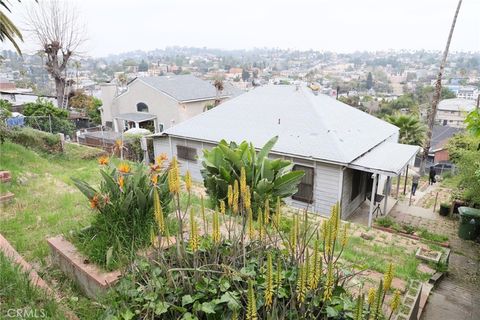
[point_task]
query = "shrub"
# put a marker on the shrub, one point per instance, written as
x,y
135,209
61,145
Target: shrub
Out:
x,y
125,219
232,272
43,115
34,139
267,179
386,222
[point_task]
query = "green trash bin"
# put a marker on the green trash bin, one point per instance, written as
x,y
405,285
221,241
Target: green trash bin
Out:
x,y
469,228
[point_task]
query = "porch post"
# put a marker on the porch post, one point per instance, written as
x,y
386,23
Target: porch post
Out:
x,y
406,179
372,200
387,191
137,125
398,185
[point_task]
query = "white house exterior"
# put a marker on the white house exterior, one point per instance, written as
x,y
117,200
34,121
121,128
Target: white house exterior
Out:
x,y
342,150
452,112
161,101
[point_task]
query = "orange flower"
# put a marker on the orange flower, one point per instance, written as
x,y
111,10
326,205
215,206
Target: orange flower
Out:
x,y
103,160
124,168
94,202
121,181
154,179
160,158
155,167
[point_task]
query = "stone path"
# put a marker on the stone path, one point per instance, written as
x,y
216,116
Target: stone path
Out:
x,y
457,297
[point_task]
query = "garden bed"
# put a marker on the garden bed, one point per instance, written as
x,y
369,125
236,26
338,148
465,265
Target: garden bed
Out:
x,y
427,236
93,281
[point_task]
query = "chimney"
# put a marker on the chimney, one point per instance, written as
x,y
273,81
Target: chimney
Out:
x,y
108,92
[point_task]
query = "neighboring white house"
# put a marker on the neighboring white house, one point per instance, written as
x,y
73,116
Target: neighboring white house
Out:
x,y
157,102
342,150
452,112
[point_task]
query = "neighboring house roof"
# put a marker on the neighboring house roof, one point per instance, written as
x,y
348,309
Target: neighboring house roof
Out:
x,y
183,87
308,125
456,104
440,136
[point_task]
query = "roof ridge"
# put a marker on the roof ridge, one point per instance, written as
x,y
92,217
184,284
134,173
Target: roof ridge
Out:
x,y
310,96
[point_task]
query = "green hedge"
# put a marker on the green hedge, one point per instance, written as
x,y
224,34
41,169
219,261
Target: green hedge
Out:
x,y
33,139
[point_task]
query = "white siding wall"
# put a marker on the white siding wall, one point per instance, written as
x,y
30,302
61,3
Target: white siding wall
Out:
x,y
327,180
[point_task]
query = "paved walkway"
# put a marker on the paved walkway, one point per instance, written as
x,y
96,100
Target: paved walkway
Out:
x,y
457,297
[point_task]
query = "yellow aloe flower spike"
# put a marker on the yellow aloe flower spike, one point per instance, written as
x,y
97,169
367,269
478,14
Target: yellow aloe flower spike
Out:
x,y
395,302
222,207
188,181
388,278
267,211
243,181
251,303
371,296
158,211
193,241
216,228
344,235
174,177
301,284
153,239
261,229
315,275
294,235
269,281
278,277
235,197
251,229
277,213
327,293
247,201
230,196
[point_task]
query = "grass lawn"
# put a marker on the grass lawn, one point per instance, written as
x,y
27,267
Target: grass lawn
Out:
x,y
47,204
19,299
46,201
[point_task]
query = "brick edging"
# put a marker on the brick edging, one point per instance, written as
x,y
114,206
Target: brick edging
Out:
x,y
35,279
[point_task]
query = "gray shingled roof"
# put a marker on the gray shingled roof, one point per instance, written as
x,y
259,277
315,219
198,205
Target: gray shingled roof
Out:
x,y
308,125
440,136
456,104
183,87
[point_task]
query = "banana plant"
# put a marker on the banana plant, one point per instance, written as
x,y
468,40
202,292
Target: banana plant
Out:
x,y
267,178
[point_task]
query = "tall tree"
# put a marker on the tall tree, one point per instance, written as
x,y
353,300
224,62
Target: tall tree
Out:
x,y
436,96
369,81
412,131
8,30
56,27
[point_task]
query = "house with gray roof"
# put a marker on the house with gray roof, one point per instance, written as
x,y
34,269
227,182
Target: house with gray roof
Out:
x,y
347,155
157,103
452,112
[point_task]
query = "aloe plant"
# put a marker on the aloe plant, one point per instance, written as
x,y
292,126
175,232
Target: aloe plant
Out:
x,y
268,179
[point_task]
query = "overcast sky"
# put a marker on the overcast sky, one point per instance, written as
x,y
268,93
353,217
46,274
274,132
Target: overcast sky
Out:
x,y
115,26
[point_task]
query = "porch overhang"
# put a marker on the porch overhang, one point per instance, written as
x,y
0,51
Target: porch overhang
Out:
x,y
388,158
136,116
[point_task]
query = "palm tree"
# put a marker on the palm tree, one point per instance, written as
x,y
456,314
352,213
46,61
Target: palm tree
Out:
x,y
438,92
412,131
8,30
